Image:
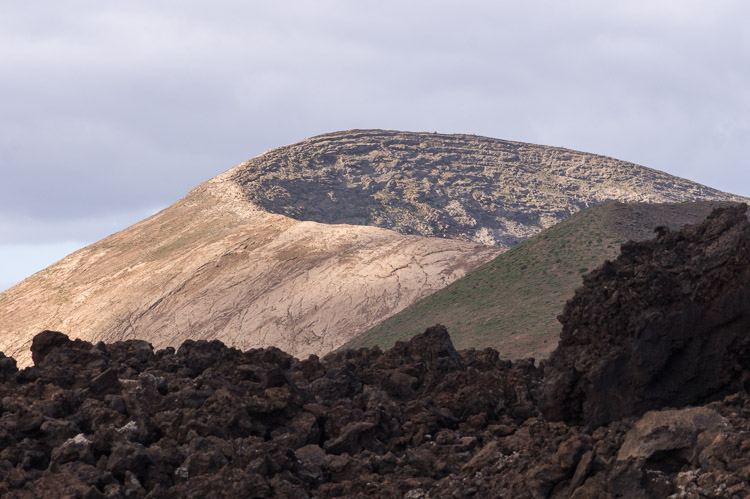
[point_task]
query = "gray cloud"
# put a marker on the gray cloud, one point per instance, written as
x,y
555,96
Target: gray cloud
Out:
x,y
111,109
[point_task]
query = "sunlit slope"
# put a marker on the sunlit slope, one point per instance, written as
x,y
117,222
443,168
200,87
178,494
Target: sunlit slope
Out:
x,y
213,266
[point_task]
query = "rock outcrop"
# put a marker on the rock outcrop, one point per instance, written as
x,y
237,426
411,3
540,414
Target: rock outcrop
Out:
x,y
421,420
467,187
125,420
665,324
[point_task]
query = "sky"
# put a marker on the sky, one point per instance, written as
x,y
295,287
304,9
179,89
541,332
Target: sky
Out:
x,y
111,111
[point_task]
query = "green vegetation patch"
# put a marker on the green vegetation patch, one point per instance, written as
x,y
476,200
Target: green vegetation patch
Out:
x,y
512,302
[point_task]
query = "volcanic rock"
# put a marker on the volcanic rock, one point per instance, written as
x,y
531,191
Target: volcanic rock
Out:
x,y
121,419
668,430
666,324
44,342
213,421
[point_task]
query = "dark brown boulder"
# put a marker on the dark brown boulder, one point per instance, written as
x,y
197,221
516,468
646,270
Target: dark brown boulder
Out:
x,y
45,342
7,367
433,347
666,324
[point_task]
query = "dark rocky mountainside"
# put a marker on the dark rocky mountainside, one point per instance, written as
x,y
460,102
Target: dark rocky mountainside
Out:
x,y
676,327
466,187
422,419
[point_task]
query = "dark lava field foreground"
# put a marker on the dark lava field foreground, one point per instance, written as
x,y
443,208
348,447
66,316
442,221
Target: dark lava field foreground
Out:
x,y
645,396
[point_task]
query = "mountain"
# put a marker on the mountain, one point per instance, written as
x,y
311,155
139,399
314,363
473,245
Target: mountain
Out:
x,y
309,245
512,302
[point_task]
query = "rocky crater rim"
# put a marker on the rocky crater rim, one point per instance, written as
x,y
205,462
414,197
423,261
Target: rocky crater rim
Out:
x,y
468,187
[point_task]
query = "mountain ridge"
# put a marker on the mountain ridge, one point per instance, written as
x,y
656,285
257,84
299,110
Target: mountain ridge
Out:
x,y
470,187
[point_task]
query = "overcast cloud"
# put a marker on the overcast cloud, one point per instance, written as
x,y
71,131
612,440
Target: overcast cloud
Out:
x,y
112,110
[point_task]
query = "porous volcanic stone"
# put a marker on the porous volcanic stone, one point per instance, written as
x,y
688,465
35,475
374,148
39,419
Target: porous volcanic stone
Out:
x,y
666,324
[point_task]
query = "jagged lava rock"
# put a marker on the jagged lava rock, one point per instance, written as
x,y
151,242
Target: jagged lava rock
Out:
x,y
123,420
665,324
44,342
421,420
659,431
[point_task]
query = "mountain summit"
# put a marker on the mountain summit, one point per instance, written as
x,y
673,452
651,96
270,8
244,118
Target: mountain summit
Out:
x,y
465,187
308,245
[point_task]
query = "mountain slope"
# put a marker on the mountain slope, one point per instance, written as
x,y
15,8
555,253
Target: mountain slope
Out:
x,y
309,245
214,267
512,303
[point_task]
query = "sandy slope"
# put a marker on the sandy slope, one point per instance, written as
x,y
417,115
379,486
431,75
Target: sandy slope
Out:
x,y
215,266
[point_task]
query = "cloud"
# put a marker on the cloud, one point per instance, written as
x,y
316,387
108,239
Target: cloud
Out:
x,y
109,109
29,230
